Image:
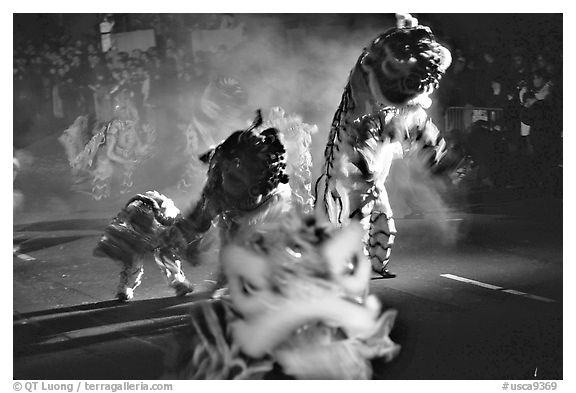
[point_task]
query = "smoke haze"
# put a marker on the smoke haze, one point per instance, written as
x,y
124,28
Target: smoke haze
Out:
x,y
302,69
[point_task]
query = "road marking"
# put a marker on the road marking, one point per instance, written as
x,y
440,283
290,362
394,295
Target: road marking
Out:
x,y
541,298
514,292
473,282
24,257
497,288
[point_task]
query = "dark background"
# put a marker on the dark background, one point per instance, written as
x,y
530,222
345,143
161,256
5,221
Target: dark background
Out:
x,y
500,32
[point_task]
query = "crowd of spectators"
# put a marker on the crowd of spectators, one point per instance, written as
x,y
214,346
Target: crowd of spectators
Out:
x,y
60,81
523,147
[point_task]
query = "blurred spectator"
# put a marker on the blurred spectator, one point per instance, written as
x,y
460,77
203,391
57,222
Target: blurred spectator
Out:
x,y
57,81
481,146
79,46
542,120
540,64
22,96
133,79
488,65
488,81
458,82
91,49
76,89
101,87
495,96
517,71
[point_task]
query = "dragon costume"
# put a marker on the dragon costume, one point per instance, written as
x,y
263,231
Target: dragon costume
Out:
x,y
248,178
298,306
114,147
381,117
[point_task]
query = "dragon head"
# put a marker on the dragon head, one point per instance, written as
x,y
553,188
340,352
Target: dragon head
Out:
x,y
299,290
248,166
405,63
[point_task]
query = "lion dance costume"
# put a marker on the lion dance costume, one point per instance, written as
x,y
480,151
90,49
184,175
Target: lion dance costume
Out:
x,y
380,118
115,147
298,307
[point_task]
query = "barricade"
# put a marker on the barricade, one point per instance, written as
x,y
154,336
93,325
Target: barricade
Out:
x,y
462,117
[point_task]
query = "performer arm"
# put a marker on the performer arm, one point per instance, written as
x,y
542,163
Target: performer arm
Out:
x,y
140,147
110,150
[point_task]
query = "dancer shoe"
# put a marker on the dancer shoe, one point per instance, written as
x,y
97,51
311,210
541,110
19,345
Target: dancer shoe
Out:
x,y
183,288
385,273
125,295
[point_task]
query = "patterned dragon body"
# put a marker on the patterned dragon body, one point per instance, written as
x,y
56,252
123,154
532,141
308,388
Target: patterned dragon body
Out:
x,y
381,117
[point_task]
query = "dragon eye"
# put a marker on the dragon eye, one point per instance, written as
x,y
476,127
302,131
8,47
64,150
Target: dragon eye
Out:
x,y
412,83
352,265
295,251
247,288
